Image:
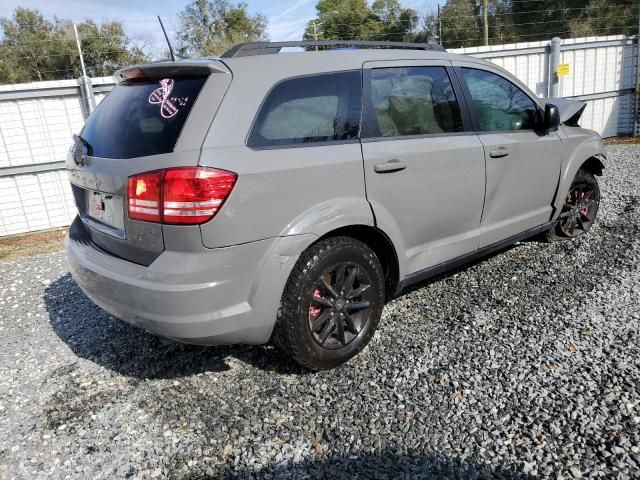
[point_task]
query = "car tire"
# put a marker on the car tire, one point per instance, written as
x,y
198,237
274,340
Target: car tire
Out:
x,y
579,210
332,303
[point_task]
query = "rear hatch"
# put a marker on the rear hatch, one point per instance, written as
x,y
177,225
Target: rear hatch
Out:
x,y
156,117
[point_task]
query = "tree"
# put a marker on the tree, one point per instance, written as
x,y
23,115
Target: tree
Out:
x,y
33,48
501,28
426,29
600,17
106,47
356,20
461,25
395,23
30,46
343,20
210,27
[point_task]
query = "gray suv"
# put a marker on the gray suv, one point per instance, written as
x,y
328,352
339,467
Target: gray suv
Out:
x,y
283,196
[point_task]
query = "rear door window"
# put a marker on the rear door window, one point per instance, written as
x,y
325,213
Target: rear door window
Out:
x,y
141,118
405,101
313,109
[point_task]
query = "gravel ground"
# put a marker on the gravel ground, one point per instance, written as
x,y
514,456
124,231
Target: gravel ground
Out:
x,y
524,365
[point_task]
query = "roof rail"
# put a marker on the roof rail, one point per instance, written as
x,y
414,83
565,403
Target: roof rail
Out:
x,y
268,48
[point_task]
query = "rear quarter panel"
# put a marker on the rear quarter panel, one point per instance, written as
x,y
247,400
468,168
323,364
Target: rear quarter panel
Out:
x,y
312,188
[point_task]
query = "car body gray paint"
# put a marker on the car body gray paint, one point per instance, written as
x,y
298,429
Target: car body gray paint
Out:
x,y
221,282
226,295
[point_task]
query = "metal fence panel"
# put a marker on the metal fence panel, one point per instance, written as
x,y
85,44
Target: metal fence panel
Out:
x,y
37,121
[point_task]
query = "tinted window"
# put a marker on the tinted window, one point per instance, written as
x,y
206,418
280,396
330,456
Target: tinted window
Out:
x,y
317,108
411,101
498,103
140,119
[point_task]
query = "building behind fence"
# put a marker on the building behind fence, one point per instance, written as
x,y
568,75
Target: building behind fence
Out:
x,y
38,119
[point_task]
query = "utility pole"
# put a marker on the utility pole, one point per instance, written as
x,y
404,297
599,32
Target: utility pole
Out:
x,y
485,13
439,26
75,30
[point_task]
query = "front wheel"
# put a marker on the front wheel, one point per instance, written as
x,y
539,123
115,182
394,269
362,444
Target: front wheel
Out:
x,y
579,210
332,303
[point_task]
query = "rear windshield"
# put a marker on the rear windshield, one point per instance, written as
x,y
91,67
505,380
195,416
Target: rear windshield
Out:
x,y
141,119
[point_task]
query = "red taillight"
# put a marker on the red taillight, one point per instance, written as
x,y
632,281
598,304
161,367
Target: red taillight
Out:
x,y
144,196
194,195
185,195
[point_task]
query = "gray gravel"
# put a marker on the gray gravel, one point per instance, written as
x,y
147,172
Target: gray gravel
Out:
x,y
524,365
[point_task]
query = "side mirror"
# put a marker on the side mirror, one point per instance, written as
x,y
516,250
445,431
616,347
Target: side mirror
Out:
x,y
551,119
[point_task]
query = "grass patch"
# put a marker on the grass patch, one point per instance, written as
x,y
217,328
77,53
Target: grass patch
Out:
x,y
621,141
24,245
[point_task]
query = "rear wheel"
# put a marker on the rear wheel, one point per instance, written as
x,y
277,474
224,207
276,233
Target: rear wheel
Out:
x,y
332,303
579,210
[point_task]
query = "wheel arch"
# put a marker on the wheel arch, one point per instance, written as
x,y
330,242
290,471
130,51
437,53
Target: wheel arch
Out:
x,y
588,154
593,165
380,243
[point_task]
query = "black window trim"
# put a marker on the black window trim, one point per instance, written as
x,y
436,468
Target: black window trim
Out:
x,y
303,144
467,125
470,105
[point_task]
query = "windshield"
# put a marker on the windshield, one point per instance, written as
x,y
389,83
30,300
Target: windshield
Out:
x,y
142,118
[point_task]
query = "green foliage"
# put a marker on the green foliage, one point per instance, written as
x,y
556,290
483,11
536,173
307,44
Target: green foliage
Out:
x,y
210,27
531,20
461,21
106,47
461,25
33,48
604,17
355,19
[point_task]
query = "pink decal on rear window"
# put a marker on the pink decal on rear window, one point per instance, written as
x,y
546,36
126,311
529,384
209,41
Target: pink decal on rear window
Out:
x,y
160,96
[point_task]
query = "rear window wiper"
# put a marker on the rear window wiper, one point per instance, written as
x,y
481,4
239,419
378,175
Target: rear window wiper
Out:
x,y
81,141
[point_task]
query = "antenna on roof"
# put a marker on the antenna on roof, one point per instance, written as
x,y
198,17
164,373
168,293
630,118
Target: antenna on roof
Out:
x,y
173,57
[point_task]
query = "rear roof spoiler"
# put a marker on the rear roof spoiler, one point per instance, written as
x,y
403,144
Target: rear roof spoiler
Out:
x,y
204,66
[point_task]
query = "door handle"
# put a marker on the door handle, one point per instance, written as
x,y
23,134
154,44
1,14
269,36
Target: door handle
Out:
x,y
390,166
500,152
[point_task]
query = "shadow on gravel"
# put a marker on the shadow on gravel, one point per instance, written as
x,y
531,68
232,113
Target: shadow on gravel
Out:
x,y
385,465
95,335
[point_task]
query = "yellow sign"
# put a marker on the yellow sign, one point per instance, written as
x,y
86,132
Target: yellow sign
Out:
x,y
563,70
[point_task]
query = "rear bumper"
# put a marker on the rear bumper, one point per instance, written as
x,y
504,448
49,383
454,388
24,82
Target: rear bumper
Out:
x,y
209,297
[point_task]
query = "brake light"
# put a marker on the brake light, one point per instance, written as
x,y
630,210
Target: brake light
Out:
x,y
184,195
144,196
194,195
132,74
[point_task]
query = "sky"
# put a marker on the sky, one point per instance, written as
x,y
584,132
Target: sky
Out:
x,y
287,18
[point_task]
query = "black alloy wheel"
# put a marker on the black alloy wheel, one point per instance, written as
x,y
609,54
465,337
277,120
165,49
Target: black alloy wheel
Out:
x,y
332,303
340,305
580,209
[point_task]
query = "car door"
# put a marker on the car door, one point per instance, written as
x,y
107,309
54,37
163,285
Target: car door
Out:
x,y
523,162
424,168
